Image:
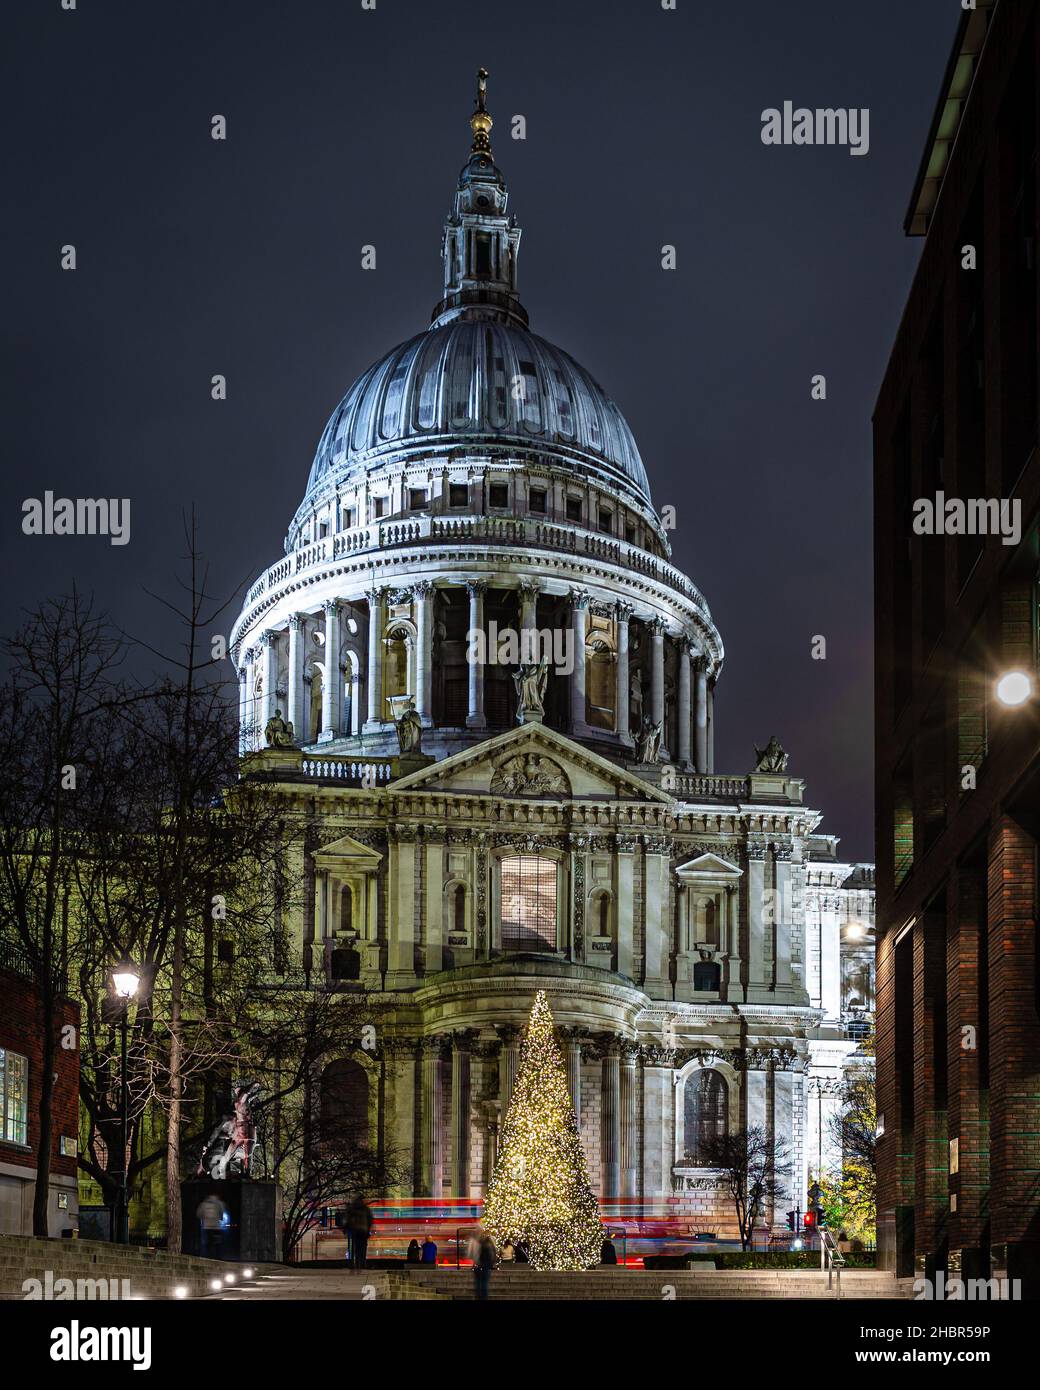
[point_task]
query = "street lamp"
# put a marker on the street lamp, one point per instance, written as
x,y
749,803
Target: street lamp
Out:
x,y
125,981
1014,688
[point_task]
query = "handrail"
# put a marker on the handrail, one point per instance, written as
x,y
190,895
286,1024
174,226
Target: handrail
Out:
x,y
832,1260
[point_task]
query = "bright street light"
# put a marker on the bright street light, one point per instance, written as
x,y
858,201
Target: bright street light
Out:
x,y
1014,688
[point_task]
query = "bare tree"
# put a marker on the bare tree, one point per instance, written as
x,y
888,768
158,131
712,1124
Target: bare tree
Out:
x,y
854,1132
752,1167
55,712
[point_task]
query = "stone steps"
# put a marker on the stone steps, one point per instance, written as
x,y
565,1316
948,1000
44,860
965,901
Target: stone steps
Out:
x,y
151,1273
613,1285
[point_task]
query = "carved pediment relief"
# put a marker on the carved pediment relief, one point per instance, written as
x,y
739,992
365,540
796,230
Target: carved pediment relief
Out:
x,y
528,774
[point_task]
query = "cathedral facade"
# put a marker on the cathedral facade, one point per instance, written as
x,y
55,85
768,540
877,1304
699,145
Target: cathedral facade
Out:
x,y
479,680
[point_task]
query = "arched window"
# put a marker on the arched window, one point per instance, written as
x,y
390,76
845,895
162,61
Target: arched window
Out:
x,y
395,668
528,903
706,1101
314,726
346,909
344,1102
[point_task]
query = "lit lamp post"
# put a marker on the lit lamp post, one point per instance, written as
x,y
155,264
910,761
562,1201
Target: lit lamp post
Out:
x,y
1014,688
125,981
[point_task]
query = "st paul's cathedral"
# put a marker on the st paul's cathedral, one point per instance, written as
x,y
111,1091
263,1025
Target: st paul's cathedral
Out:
x,y
479,680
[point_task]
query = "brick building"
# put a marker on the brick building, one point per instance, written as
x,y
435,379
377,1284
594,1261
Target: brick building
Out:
x,y
958,764
21,1061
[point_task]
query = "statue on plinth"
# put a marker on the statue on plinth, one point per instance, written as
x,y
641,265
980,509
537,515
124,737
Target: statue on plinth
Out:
x,y
648,741
771,758
277,733
530,682
409,729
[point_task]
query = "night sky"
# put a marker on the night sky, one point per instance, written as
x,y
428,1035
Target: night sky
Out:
x,y
348,127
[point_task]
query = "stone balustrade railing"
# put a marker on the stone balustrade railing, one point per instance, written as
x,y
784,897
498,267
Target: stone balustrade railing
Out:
x,y
349,772
389,535
697,786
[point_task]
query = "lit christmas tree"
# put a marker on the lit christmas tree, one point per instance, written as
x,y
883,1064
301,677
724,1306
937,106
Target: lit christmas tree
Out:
x,y
539,1192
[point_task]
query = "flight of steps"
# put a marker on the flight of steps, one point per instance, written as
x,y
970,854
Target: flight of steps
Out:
x,y
151,1273
525,1283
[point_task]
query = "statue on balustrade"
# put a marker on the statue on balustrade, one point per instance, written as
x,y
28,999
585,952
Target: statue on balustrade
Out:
x,y
530,682
648,741
409,729
277,732
771,758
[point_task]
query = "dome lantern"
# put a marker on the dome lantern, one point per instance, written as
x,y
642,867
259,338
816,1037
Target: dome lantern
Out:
x,y
481,242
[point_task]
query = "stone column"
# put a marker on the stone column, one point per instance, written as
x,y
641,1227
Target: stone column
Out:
x,y
528,606
269,656
784,1090
404,1053
432,1126
475,718
626,846
656,627
711,729
572,1039
579,846
401,880
508,1057
579,610
701,715
623,696
460,1094
331,701
243,708
422,593
629,1120
783,916
658,918
730,905
434,886
611,1121
296,711
684,704
756,927
658,1123
376,621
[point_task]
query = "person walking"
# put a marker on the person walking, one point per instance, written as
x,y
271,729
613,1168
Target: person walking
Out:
x,y
359,1226
484,1257
211,1213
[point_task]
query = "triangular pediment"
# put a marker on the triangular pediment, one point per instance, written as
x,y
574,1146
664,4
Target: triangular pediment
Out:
x,y
347,851
708,867
532,761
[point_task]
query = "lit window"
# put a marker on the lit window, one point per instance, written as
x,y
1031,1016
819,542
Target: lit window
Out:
x,y
14,1097
528,903
705,1104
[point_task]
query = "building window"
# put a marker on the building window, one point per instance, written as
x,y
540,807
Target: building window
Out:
x,y
379,506
14,1097
349,519
459,912
528,903
573,508
630,535
458,495
344,1102
606,519
498,495
706,1101
416,498
707,976
537,499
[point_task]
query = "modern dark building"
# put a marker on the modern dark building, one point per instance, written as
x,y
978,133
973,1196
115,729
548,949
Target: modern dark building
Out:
x,y
957,486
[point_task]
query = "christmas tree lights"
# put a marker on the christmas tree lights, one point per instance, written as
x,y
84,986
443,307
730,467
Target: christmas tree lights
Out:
x,y
539,1192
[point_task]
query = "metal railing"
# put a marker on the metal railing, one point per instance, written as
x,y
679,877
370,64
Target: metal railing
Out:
x,y
832,1261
